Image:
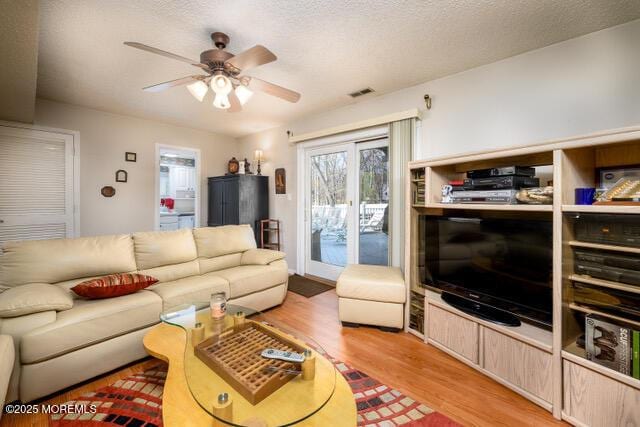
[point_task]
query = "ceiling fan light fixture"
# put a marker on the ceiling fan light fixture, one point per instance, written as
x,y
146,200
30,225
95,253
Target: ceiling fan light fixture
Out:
x,y
198,89
221,85
243,93
221,101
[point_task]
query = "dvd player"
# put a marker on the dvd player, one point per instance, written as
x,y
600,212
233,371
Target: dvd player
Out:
x,y
503,171
500,197
607,266
623,230
501,182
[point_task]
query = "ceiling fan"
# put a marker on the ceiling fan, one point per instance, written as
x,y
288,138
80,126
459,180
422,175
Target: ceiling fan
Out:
x,y
223,74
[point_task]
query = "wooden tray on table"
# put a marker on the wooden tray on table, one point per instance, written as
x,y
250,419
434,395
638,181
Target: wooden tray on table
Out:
x,y
235,356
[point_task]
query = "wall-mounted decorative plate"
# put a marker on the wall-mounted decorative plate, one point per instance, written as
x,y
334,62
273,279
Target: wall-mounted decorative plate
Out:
x,y
108,191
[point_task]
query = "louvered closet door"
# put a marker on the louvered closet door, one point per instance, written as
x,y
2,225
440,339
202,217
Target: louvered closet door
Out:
x,y
36,185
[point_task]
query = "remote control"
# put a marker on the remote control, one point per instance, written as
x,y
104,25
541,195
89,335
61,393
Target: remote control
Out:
x,y
287,356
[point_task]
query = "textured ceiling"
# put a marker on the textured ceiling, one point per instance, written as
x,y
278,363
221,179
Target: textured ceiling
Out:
x,y
325,49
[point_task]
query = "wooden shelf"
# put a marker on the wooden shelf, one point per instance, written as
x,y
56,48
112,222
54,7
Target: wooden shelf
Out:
x,y
600,246
578,356
489,207
610,209
589,310
604,283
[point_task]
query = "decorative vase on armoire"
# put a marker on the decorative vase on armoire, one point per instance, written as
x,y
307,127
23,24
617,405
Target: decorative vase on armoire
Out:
x,y
238,199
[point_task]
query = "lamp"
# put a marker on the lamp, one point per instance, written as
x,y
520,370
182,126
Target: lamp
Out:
x,y
243,93
221,101
198,90
221,85
258,157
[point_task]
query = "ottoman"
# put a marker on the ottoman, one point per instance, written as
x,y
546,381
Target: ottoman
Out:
x,y
371,295
6,366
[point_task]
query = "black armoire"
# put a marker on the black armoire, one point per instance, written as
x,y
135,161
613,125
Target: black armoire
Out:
x,y
238,199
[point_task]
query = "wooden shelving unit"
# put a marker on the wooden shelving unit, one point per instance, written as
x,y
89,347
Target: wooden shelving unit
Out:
x,y
270,234
562,369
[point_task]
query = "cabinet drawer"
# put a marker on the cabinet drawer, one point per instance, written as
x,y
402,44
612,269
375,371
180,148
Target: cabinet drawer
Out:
x,y
454,332
520,364
596,400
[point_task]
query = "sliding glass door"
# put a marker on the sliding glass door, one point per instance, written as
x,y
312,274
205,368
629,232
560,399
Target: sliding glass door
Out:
x,y
373,201
346,207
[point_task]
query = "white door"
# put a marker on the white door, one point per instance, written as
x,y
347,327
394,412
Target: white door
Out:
x,y
36,184
330,227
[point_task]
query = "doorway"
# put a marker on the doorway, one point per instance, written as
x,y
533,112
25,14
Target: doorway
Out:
x,y
177,187
346,204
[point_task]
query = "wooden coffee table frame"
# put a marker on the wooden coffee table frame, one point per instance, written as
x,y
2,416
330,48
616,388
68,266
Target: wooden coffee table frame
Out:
x,y
179,408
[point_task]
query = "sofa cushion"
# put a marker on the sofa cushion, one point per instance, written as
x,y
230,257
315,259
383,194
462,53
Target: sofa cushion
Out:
x,y
157,248
34,298
56,260
168,273
227,239
113,285
189,290
90,322
372,282
208,265
247,279
261,256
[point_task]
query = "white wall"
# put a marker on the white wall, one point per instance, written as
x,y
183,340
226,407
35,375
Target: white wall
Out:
x,y
104,139
575,87
278,153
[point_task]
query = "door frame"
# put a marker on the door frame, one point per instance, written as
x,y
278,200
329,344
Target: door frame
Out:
x,y
74,230
303,240
156,179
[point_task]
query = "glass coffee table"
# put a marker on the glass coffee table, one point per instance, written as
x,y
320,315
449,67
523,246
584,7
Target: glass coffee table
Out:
x,y
229,379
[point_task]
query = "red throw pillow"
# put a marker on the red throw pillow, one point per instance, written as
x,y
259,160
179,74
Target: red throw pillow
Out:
x,y
113,285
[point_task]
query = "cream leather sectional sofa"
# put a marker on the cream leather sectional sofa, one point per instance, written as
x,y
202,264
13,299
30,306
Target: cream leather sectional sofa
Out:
x,y
60,343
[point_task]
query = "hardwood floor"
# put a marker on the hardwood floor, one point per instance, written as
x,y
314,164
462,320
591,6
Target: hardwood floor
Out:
x,y
399,360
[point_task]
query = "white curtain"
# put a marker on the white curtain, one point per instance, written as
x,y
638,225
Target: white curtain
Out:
x,y
402,135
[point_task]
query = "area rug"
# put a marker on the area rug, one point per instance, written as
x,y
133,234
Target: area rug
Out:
x,y
307,287
136,401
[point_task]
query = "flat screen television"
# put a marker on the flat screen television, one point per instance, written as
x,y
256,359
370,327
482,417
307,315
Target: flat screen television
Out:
x,y
497,268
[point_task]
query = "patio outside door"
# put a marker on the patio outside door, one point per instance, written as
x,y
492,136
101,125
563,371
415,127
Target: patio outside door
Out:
x,y
346,207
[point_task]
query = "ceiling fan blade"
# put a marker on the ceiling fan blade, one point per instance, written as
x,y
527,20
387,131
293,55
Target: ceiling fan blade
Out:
x,y
166,54
234,102
272,89
171,83
250,58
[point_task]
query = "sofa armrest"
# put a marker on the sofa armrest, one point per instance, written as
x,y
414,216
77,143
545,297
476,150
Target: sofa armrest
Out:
x,y
261,257
7,354
34,298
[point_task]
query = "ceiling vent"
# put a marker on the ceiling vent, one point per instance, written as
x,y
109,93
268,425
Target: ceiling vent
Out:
x,y
361,92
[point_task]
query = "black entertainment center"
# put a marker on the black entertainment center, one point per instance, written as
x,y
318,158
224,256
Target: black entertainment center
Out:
x,y
490,266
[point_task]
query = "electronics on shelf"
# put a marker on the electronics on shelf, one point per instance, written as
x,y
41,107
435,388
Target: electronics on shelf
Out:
x,y
504,171
608,266
623,230
494,186
501,182
492,197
